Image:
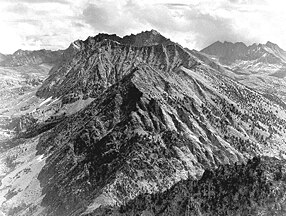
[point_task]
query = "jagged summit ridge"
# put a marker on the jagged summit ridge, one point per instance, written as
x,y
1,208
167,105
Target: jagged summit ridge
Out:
x,y
104,59
145,38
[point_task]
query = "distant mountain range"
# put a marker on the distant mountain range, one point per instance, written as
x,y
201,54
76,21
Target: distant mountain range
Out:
x,y
139,125
258,58
259,66
25,57
228,53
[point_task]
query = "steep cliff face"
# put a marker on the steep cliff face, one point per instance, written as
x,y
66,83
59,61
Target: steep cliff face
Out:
x,y
119,118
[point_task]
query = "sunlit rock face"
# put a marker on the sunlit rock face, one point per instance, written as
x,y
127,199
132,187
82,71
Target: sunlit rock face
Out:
x,y
119,117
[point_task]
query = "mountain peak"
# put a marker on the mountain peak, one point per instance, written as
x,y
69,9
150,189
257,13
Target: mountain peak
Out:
x,y
273,46
225,45
228,42
236,44
269,43
19,52
146,38
153,31
226,51
217,43
148,32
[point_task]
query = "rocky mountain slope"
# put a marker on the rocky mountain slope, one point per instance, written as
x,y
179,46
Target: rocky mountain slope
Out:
x,y
119,117
259,66
22,72
20,75
254,188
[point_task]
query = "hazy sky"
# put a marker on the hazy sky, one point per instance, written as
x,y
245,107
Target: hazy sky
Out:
x,y
54,24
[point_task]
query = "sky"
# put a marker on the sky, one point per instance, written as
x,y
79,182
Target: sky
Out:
x,y
54,24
